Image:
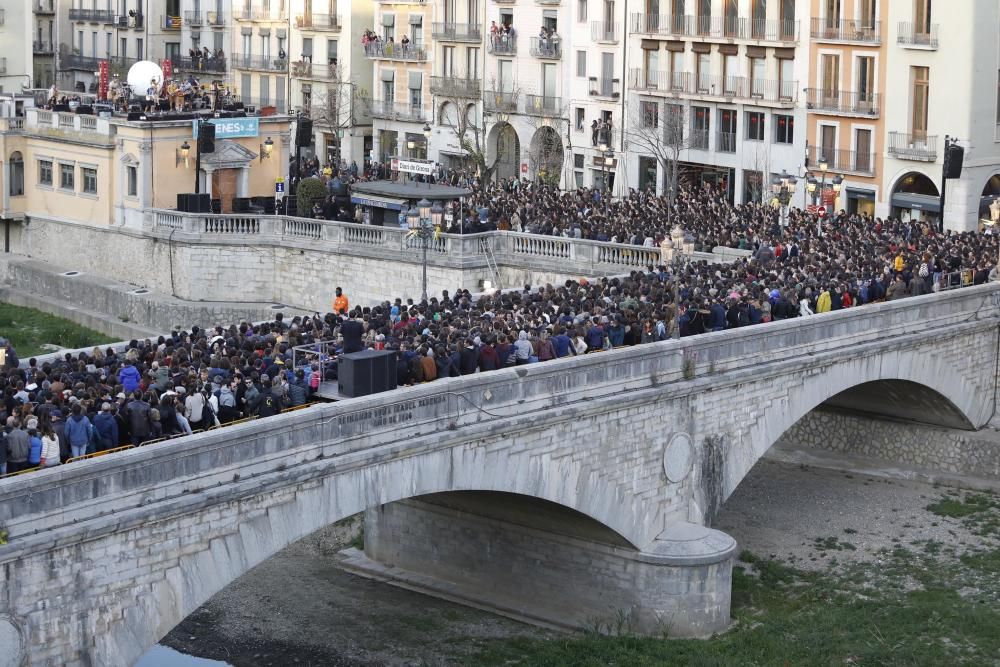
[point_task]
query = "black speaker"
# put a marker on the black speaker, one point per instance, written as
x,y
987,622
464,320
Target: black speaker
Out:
x,y
304,132
135,115
217,206
954,159
206,138
183,203
366,372
201,203
241,204
85,110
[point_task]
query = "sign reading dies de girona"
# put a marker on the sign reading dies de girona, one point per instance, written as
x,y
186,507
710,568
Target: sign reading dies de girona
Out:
x,y
232,128
423,167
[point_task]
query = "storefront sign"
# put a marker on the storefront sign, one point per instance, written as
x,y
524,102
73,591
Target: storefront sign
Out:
x,y
232,128
423,167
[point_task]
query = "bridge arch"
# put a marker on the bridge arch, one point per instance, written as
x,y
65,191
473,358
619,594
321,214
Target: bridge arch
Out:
x,y
906,385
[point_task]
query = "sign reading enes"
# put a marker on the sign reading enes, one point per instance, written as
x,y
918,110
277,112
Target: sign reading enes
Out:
x,y
232,128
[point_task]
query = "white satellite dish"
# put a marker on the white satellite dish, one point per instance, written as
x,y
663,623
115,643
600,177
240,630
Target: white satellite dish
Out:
x,y
140,74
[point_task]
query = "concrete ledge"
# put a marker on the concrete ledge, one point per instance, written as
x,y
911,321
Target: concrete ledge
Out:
x,y
91,319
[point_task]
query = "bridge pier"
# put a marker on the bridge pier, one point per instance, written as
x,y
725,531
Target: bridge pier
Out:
x,y
543,563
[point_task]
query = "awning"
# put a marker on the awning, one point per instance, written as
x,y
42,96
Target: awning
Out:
x,y
379,202
917,202
855,193
388,74
416,19
416,80
388,19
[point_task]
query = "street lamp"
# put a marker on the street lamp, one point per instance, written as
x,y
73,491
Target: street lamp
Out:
x,y
265,149
783,187
421,221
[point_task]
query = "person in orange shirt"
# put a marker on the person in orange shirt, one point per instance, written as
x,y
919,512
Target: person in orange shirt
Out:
x,y
340,305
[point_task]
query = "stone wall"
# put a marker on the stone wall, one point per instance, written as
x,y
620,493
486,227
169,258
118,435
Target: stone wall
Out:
x,y
541,562
951,452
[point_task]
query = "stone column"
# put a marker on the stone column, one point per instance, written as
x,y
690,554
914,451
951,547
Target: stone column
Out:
x,y
206,175
243,184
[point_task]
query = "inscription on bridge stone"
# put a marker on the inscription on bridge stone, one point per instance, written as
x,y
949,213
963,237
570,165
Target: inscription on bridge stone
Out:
x,y
388,415
677,457
11,643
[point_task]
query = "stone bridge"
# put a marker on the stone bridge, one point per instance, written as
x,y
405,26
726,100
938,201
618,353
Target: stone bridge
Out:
x,y
637,448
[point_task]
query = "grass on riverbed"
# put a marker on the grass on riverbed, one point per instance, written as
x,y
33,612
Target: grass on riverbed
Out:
x,y
28,329
905,611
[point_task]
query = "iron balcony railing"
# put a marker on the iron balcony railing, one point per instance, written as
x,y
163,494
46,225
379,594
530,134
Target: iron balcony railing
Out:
x,y
724,87
271,13
455,86
502,45
542,105
659,80
843,101
457,32
393,51
308,70
259,63
846,30
496,101
698,139
194,19
42,48
319,22
199,64
43,6
390,110
203,19
546,48
910,34
604,31
726,142
92,15
605,87
920,147
716,27
841,160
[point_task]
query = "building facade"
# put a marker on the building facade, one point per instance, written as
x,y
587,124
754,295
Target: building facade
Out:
x,y
259,64
94,30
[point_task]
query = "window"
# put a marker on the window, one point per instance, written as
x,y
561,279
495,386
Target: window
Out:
x,y
417,30
650,114
578,160
578,165
753,186
704,72
832,14
922,16
472,62
89,180
757,72
831,75
45,172
866,80
700,126
704,17
140,48
787,19
448,61
920,78
673,125
732,14
727,130
581,120
307,49
863,150
755,126
581,11
132,177
784,129
66,173
758,16
581,63
867,11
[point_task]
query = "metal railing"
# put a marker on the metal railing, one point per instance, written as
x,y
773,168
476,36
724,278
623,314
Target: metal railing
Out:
x,y
910,34
722,87
393,51
260,63
199,64
546,47
455,86
604,31
92,15
843,101
274,13
91,63
319,22
846,30
309,70
42,48
502,45
500,102
726,142
920,147
542,105
716,27
841,160
457,32
43,6
391,110
602,87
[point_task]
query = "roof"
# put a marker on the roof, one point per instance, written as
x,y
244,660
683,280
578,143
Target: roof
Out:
x,y
409,190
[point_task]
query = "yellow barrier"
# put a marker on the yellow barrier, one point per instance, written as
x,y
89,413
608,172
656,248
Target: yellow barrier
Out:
x,y
96,454
20,472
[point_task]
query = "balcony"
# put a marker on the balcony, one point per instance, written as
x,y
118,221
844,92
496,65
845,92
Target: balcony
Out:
x,y
918,147
457,32
305,69
216,65
92,15
389,110
319,22
716,27
259,63
843,102
455,86
168,22
546,48
43,48
205,19
502,46
391,51
500,102
194,19
260,14
851,162
542,105
604,32
725,142
43,7
77,62
698,140
660,81
911,36
551,3
848,30
772,91
609,89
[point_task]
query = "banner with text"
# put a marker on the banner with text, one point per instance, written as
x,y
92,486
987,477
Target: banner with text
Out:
x,y
423,167
232,128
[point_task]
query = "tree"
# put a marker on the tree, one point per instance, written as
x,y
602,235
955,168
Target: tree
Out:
x,y
473,118
661,132
333,106
758,179
309,191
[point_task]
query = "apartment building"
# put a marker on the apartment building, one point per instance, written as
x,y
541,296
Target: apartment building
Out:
x,y
188,26
16,61
943,78
720,81
44,39
330,73
95,30
259,60
400,102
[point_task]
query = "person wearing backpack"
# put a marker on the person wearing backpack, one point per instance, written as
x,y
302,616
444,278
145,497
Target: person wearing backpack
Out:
x,y
227,402
266,404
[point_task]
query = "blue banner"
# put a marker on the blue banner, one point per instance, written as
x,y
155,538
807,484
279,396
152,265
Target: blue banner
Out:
x,y
232,128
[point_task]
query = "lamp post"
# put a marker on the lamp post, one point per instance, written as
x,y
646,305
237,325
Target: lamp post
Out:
x,y
818,188
424,220
783,187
